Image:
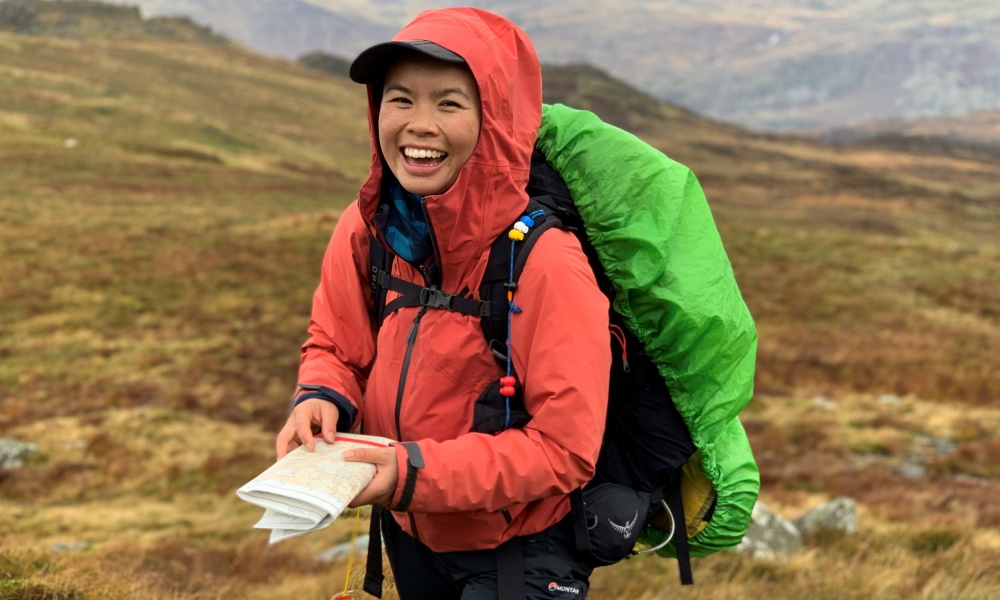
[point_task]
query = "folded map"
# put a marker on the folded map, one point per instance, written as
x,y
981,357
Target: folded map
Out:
x,y
305,491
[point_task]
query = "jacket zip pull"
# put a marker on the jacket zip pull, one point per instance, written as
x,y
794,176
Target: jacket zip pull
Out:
x,y
411,337
619,335
435,256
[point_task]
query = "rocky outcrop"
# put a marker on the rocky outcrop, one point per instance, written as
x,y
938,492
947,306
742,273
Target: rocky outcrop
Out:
x,y
769,536
772,536
839,514
14,453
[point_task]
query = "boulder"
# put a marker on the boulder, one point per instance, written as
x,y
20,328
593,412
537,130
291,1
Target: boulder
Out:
x,y
14,453
769,535
839,514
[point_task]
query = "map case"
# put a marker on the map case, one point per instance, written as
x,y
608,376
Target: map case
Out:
x,y
305,491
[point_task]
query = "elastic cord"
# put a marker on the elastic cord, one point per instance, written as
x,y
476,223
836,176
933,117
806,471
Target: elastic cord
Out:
x,y
519,232
619,335
510,319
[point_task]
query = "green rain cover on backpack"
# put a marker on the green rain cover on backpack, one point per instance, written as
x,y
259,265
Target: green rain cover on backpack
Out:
x,y
649,221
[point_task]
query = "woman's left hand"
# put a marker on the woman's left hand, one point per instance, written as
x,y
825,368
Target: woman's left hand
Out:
x,y
379,492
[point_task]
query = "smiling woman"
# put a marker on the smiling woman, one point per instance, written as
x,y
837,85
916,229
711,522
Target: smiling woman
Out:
x,y
428,123
455,105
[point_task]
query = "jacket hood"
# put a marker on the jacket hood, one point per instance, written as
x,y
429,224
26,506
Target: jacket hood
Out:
x,y
489,192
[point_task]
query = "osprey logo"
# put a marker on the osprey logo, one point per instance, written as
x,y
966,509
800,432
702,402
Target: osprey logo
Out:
x,y
625,530
555,587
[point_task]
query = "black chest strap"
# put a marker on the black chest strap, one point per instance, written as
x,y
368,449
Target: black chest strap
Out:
x,y
411,294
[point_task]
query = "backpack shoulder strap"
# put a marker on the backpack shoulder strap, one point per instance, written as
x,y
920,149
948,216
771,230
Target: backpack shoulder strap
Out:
x,y
501,404
380,261
503,270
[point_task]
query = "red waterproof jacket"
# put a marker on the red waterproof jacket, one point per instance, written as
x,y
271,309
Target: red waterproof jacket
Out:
x,y
474,491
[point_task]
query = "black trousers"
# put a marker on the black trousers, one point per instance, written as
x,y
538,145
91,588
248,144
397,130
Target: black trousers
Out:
x,y
553,569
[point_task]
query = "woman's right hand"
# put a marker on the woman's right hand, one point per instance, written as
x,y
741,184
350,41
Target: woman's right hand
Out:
x,y
308,418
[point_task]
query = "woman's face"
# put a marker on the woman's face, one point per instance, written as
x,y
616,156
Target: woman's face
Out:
x,y
428,123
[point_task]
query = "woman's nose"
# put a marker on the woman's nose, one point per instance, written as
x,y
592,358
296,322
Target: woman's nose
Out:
x,y
422,121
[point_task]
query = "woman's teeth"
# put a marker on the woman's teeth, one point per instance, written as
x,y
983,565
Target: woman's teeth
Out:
x,y
421,153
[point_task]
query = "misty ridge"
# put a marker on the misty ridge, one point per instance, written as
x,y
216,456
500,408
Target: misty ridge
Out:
x,y
790,65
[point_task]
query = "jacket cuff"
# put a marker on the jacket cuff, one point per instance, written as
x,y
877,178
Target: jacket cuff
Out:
x,y
348,413
408,475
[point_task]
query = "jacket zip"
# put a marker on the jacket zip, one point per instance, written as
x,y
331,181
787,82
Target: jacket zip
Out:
x,y
411,339
434,247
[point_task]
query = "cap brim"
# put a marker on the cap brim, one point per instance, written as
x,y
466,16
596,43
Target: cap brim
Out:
x,y
369,66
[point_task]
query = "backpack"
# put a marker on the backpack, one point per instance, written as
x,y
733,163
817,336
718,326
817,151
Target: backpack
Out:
x,y
675,472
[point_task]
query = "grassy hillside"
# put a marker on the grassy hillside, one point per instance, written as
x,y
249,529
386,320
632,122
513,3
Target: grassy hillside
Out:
x,y
164,206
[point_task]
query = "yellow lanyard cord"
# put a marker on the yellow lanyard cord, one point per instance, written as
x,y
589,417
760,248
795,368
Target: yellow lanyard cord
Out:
x,y
353,551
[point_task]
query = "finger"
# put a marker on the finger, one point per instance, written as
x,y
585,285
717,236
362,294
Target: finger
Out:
x,y
285,442
361,499
377,493
303,429
375,456
280,445
356,455
328,424
382,486
291,445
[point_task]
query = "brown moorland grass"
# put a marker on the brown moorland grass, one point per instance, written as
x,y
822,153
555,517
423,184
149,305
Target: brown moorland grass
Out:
x,y
167,521
156,283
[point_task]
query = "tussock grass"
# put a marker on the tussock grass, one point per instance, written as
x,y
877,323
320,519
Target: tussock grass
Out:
x,y
157,275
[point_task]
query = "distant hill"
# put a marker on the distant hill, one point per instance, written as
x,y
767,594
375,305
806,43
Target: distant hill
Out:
x,y
327,63
85,18
285,28
782,65
975,130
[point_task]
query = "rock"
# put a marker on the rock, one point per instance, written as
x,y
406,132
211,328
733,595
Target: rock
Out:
x,y
14,453
769,535
824,402
69,546
344,550
839,514
941,446
890,399
912,467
